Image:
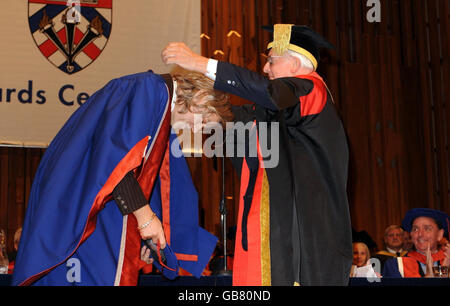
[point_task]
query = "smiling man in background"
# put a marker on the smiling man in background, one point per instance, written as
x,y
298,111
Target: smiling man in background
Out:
x,y
428,228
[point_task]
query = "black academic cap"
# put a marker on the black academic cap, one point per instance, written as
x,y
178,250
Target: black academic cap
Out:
x,y
441,218
300,39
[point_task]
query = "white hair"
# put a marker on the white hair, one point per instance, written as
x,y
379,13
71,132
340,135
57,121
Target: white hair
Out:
x,y
305,62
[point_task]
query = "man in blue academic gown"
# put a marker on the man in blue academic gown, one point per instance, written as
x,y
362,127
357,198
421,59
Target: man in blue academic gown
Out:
x,y
89,204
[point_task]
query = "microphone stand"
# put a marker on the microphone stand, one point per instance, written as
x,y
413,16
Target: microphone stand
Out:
x,y
223,223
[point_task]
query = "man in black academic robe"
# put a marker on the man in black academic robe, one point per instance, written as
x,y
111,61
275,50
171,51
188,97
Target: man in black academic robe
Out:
x,y
294,222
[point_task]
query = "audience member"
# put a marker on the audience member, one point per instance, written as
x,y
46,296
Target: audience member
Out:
x,y
12,256
3,254
393,242
361,261
427,227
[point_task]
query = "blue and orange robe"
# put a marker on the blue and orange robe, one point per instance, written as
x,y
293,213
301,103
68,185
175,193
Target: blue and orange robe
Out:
x,y
410,265
72,219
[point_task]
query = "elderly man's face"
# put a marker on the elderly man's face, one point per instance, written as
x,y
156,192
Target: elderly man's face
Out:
x,y
424,233
279,66
394,238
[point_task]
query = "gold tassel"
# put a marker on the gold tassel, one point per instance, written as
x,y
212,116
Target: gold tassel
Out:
x,y
281,38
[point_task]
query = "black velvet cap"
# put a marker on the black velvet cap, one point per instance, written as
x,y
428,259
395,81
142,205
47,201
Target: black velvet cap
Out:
x,y
298,39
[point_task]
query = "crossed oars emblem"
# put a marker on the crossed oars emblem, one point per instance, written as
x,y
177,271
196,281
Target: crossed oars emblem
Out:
x,y
70,49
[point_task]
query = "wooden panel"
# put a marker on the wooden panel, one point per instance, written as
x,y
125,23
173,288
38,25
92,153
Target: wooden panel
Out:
x,y
4,179
17,169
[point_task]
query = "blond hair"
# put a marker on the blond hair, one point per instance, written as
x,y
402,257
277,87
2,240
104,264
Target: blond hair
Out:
x,y
192,87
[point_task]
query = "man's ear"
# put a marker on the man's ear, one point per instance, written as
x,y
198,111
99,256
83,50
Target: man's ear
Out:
x,y
296,65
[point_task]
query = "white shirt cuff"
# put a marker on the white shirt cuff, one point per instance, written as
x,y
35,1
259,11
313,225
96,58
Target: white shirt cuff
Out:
x,y
211,69
174,95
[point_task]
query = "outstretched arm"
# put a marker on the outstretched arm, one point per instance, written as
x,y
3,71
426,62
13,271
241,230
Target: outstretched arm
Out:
x,y
180,54
228,77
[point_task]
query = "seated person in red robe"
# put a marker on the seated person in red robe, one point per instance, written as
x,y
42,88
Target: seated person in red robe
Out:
x,y
428,229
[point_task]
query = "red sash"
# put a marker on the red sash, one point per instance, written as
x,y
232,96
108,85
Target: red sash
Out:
x,y
313,103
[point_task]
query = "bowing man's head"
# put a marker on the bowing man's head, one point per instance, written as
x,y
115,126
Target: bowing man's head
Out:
x,y
198,103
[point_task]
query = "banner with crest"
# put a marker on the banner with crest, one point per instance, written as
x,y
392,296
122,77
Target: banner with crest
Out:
x,y
56,53
72,34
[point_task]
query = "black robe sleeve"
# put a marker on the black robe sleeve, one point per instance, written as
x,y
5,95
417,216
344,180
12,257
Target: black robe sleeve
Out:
x,y
285,92
243,83
274,95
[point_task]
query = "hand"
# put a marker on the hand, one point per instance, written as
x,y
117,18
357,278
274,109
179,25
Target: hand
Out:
x,y
155,232
180,54
152,231
429,263
145,255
